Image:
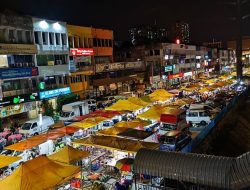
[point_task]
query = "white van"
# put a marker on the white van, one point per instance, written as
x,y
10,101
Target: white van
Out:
x,y
198,116
35,127
211,109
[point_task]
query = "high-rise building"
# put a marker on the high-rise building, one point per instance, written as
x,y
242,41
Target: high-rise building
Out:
x,y
146,34
181,31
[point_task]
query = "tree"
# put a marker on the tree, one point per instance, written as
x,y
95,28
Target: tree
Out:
x,y
48,108
65,99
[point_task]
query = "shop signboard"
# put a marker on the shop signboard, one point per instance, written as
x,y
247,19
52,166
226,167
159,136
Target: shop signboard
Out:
x,y
179,75
82,59
13,100
54,93
18,72
17,109
188,74
168,68
6,49
81,51
72,66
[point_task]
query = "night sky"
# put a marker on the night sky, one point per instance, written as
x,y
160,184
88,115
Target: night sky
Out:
x,y
208,18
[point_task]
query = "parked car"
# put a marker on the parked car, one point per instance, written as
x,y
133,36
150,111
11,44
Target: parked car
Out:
x,y
174,140
202,117
212,109
35,126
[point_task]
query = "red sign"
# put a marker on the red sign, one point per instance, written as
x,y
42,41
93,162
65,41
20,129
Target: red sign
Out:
x,y
81,51
179,75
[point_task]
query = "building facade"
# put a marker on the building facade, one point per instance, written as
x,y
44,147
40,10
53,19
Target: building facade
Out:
x,y
181,31
18,71
147,34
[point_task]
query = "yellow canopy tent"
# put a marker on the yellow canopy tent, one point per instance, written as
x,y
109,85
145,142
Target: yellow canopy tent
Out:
x,y
146,99
160,95
68,155
116,143
234,74
206,89
7,160
138,101
154,113
112,131
137,123
39,174
182,102
89,122
190,88
124,105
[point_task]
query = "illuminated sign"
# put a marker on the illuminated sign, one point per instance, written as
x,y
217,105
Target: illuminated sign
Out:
x,y
54,93
179,75
168,68
12,100
18,72
81,51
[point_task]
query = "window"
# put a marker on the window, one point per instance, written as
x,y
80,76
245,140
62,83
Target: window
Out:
x,y
110,43
44,37
106,43
34,125
72,79
103,43
19,36
12,36
151,53
65,80
193,114
36,35
64,39
2,35
78,78
58,39
94,42
157,52
28,37
99,43
51,38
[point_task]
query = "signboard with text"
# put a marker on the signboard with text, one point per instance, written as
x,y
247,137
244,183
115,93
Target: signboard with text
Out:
x,y
18,49
168,68
18,72
54,93
179,75
81,51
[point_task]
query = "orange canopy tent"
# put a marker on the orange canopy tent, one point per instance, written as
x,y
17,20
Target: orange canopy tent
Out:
x,y
39,139
137,123
116,143
68,155
39,174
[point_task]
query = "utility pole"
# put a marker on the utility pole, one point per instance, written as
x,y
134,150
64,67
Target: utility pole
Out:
x,y
239,41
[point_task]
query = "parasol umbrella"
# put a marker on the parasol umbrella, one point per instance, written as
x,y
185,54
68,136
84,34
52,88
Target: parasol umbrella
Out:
x,y
125,164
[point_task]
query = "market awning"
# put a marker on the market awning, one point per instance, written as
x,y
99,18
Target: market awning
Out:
x,y
38,174
7,160
116,143
112,131
124,105
182,102
89,122
137,123
135,134
138,101
68,155
160,95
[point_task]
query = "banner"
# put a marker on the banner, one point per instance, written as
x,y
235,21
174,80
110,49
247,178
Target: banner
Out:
x,y
54,93
18,49
18,72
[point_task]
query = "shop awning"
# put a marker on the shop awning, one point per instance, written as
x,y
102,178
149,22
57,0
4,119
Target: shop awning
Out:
x,y
107,81
116,143
7,160
137,123
124,105
68,155
89,122
112,131
39,174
